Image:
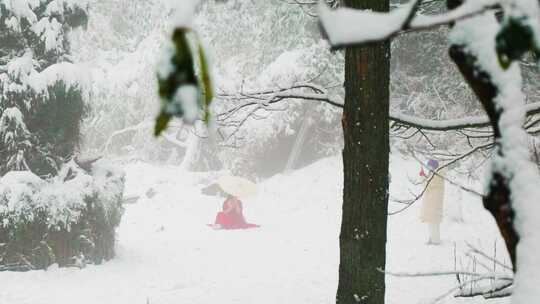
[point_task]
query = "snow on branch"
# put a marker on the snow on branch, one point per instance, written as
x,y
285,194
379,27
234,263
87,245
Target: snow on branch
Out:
x,y
488,291
22,74
490,283
264,98
486,54
308,5
452,124
440,125
140,127
246,105
501,282
346,26
487,275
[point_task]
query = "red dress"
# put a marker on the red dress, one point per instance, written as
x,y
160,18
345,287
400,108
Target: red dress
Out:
x,y
231,217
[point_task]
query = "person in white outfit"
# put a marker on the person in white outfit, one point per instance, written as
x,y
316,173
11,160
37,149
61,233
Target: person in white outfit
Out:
x,y
432,203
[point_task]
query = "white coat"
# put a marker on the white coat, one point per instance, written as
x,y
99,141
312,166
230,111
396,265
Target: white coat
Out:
x,y
432,201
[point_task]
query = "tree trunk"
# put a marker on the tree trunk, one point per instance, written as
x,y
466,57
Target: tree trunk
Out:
x,y
365,164
192,151
298,143
498,198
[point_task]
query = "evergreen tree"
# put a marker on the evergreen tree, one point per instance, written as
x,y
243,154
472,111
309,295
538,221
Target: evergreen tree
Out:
x,y
41,91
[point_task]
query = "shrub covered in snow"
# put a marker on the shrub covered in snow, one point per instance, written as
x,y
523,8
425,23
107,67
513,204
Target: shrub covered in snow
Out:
x,y
41,102
69,220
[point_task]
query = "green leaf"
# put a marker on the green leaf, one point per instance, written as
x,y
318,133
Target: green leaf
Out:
x,y
161,123
182,69
206,84
187,66
513,40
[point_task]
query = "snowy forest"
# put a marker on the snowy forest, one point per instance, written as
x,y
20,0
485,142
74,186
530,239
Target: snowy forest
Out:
x,y
269,151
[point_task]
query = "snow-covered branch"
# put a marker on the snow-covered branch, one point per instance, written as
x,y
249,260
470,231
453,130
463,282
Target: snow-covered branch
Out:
x,y
486,291
407,122
470,283
266,97
346,26
171,139
487,275
257,104
115,134
440,125
308,5
142,126
501,282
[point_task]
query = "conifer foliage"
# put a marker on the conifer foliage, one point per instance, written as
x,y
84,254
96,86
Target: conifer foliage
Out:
x,y
54,207
41,91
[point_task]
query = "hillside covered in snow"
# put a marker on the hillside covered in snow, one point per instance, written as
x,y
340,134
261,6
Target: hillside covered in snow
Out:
x,y
167,254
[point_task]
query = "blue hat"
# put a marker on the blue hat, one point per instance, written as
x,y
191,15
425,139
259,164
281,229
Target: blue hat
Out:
x,y
433,164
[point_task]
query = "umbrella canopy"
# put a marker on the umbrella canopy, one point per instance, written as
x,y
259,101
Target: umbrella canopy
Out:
x,y
237,186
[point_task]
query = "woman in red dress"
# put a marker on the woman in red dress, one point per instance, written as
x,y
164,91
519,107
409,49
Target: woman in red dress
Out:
x,y
232,217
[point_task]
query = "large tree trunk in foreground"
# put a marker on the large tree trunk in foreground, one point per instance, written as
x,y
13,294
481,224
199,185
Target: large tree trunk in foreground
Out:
x,y
365,164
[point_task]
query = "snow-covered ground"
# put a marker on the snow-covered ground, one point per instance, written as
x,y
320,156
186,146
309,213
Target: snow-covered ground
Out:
x,y
166,253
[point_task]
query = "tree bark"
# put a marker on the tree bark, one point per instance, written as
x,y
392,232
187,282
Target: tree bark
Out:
x,y
365,165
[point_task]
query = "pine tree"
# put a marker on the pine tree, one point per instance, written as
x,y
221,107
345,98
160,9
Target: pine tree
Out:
x,y
41,91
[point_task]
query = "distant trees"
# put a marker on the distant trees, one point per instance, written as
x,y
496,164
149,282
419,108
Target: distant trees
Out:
x,y
487,54
41,101
365,156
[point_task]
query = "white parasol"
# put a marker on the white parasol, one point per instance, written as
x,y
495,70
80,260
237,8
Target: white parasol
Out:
x,y
237,186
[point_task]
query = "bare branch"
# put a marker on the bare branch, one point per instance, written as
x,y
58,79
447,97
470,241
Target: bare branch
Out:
x,y
478,251
487,275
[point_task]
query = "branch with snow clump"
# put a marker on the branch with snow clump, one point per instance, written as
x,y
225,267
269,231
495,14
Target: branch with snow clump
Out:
x,y
513,179
375,26
185,84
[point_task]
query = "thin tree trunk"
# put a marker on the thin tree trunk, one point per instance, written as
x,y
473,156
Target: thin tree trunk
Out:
x,y
192,151
365,164
298,143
